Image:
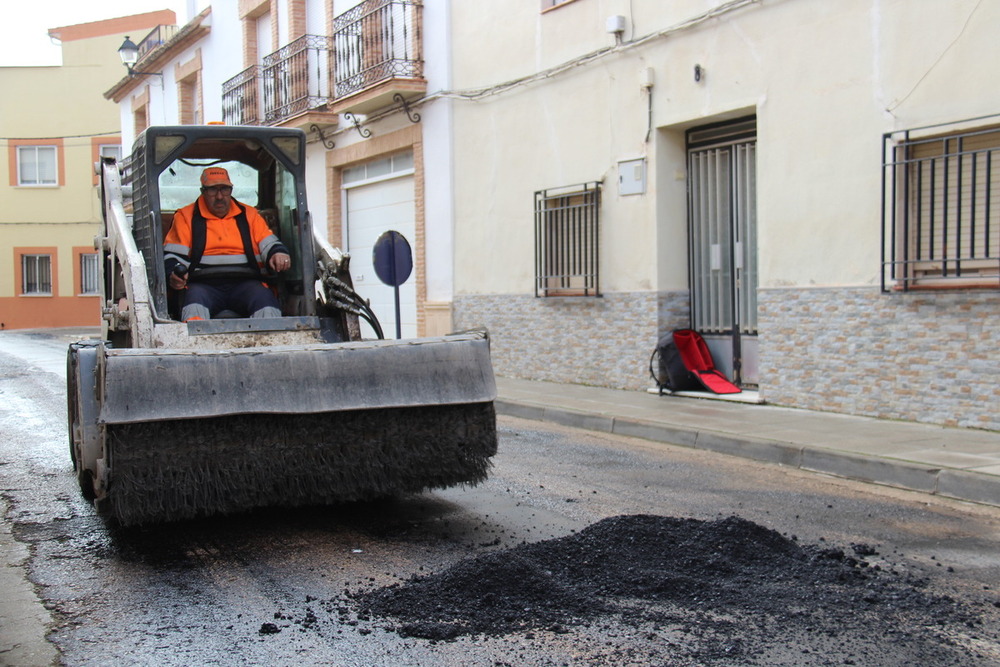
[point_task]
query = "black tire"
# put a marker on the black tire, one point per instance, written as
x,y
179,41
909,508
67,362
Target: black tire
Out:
x,y
86,481
85,478
72,415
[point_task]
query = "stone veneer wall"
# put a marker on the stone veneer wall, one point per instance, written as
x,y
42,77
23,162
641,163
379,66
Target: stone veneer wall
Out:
x,y
930,357
603,342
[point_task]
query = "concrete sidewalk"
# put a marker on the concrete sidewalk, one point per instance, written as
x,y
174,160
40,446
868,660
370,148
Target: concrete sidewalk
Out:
x,y
953,462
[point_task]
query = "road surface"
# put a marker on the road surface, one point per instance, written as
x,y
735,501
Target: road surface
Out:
x,y
581,549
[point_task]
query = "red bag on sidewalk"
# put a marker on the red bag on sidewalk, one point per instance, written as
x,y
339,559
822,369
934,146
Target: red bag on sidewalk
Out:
x,y
698,359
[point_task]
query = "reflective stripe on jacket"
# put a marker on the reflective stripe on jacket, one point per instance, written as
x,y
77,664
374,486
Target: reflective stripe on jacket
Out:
x,y
223,243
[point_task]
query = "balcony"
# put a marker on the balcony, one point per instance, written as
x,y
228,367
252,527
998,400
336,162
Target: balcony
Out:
x,y
296,78
287,87
241,98
157,37
159,48
374,56
379,54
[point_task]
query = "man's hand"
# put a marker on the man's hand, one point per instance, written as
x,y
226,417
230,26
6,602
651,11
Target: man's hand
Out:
x,y
280,262
178,281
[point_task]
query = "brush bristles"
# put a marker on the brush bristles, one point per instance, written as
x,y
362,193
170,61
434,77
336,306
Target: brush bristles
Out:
x,y
172,470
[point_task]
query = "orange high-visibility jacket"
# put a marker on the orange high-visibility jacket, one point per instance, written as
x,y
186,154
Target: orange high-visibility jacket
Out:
x,y
223,243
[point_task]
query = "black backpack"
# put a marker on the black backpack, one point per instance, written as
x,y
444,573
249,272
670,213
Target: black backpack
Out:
x,y
668,369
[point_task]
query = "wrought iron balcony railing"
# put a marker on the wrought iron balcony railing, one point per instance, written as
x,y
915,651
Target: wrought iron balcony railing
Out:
x,y
158,36
296,78
376,41
376,48
292,80
241,98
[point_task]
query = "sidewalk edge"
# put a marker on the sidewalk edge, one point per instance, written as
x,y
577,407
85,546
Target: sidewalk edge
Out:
x,y
950,483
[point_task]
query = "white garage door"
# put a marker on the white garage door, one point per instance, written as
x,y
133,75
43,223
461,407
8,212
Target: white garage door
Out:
x,y
378,197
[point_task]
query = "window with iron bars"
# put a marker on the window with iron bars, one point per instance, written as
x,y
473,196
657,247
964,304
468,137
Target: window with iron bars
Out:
x,y
90,273
941,207
36,275
567,240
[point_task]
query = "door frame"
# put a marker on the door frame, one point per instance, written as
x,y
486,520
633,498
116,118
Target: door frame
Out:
x,y
722,275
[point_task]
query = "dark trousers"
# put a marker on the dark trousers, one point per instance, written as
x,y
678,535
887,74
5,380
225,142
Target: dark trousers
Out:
x,y
244,297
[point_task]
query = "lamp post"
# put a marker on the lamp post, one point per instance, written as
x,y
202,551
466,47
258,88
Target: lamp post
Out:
x,y
129,54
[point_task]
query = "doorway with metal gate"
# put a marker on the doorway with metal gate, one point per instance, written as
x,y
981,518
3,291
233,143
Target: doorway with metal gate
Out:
x,y
722,244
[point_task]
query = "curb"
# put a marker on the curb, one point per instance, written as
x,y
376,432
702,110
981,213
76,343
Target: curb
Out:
x,y
897,473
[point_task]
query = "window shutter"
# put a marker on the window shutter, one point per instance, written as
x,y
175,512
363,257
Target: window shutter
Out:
x,y
954,212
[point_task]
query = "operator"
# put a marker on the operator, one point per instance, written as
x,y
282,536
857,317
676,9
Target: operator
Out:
x,y
216,251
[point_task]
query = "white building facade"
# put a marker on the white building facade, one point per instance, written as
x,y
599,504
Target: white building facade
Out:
x,y
350,74
811,185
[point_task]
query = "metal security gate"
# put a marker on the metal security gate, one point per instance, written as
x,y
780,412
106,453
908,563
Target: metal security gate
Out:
x,y
722,237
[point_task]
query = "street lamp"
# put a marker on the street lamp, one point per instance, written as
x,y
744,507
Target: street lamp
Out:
x,y
129,54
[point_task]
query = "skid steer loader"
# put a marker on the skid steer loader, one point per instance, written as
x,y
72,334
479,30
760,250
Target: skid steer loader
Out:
x,y
172,420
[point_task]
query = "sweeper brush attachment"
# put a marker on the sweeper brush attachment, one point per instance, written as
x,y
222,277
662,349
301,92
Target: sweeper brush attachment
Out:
x,y
165,471
164,435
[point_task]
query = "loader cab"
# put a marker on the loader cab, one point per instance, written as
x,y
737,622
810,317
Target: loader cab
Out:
x,y
267,167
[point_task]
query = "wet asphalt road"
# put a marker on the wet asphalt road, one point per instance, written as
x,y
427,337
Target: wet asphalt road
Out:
x,y
268,588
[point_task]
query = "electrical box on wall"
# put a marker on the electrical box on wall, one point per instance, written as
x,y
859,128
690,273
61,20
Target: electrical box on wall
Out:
x,y
615,24
632,177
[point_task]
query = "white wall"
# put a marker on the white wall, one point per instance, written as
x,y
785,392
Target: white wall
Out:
x,y
439,157
222,58
825,79
341,6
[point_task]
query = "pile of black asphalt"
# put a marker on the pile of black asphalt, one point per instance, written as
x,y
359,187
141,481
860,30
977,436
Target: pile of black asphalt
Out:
x,y
735,589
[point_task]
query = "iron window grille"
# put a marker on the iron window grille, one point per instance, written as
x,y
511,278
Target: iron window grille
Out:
x,y
567,240
90,273
156,38
941,207
36,274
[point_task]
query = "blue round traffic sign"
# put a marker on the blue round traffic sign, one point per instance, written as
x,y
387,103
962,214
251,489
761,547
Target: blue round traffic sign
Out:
x,y
392,258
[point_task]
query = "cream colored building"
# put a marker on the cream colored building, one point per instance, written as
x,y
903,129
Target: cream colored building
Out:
x,y
812,185
55,124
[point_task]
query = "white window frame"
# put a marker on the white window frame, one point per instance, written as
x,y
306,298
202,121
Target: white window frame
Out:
x,y
32,281
36,182
378,169
110,150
